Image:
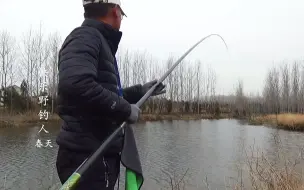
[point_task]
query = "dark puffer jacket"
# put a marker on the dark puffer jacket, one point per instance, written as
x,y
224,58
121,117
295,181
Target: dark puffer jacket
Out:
x,y
88,100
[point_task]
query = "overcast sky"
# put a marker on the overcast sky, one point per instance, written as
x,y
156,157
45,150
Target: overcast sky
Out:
x,y
258,33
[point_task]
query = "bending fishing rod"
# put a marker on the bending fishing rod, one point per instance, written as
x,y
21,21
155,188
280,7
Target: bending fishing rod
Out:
x,y
72,181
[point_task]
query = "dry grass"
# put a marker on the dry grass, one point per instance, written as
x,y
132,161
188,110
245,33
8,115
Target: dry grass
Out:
x,y
259,170
8,120
174,181
160,117
283,121
281,171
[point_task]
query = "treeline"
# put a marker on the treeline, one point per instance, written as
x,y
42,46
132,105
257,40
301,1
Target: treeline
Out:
x,y
284,89
21,63
283,92
191,88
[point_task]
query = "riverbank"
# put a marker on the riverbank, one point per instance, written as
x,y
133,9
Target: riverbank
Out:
x,y
282,121
294,122
160,117
7,120
33,118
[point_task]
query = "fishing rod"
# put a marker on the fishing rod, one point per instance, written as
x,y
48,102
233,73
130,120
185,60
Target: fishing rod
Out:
x,y
73,180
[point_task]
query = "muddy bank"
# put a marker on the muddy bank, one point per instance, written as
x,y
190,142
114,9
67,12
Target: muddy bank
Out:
x,y
282,121
33,118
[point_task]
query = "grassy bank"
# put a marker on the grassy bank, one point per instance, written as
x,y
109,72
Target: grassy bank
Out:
x,y
282,121
160,117
7,120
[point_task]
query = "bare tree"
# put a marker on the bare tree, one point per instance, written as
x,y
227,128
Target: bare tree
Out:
x,y
181,95
170,83
240,98
198,83
272,91
285,88
212,86
301,98
42,53
54,47
29,58
126,68
8,56
295,87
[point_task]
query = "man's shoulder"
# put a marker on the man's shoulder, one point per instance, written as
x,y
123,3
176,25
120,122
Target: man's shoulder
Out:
x,y
84,34
85,31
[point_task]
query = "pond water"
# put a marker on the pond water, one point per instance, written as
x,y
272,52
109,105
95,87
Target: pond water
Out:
x,y
209,153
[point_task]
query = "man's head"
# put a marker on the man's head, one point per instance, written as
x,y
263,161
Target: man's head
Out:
x,y
108,11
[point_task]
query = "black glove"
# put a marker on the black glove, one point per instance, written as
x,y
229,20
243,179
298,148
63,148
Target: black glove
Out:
x,y
160,89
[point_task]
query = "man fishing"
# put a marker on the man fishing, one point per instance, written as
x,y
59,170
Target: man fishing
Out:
x,y
91,101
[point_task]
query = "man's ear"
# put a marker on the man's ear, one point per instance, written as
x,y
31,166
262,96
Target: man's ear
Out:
x,y
115,12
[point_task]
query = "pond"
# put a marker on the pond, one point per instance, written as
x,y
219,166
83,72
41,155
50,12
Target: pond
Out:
x,y
206,152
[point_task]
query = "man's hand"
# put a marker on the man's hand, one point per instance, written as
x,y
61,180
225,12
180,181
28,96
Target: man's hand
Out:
x,y
160,89
135,111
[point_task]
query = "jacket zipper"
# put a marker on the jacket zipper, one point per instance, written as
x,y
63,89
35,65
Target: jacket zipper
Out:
x,y
106,172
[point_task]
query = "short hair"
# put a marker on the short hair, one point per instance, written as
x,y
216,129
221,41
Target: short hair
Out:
x,y
97,10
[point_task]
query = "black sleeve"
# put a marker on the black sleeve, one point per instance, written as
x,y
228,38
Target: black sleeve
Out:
x,y
133,93
78,61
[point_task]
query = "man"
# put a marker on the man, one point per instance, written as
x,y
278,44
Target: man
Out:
x,y
91,102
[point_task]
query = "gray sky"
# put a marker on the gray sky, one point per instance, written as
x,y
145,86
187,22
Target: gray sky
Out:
x,y
258,33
